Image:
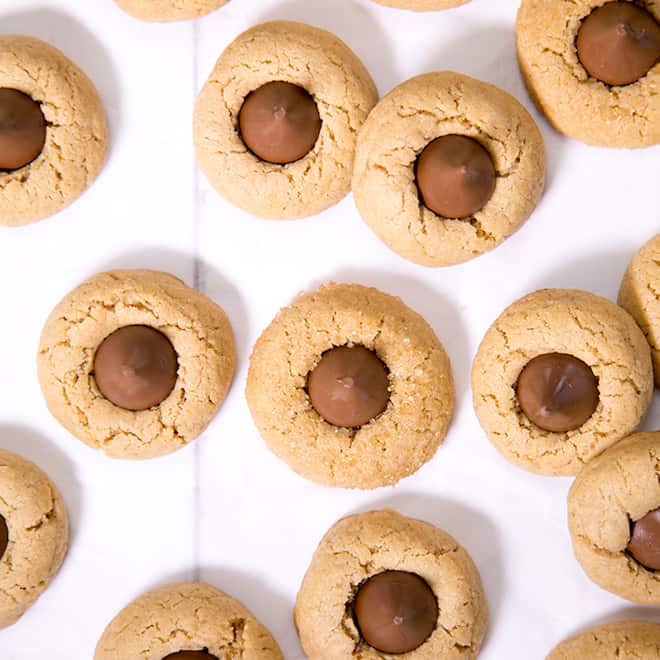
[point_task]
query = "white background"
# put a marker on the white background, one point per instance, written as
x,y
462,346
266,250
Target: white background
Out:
x,y
224,509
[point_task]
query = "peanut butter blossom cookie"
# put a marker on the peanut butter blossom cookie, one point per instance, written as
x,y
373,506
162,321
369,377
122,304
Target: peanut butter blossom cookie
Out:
x,y
381,584
350,387
640,295
34,534
622,640
186,621
422,5
447,167
280,115
135,363
594,67
169,10
614,518
560,376
53,132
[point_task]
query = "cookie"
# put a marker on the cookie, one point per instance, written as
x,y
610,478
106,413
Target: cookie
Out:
x,y
283,84
616,535
482,158
640,296
372,567
422,5
560,41
34,534
623,640
188,616
169,10
350,387
135,363
560,376
53,131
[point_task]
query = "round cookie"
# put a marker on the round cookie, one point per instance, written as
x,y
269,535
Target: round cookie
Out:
x,y
613,491
34,534
640,296
622,640
188,616
169,10
422,5
610,116
76,137
382,451
399,129
360,547
605,341
196,328
342,89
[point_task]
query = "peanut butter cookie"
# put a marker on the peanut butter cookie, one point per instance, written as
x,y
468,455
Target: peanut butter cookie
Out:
x,y
53,131
447,167
277,121
135,363
186,620
370,572
593,67
350,387
614,518
640,296
169,10
34,534
560,376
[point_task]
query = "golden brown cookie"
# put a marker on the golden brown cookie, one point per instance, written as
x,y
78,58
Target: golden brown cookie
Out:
x,y
197,329
76,139
623,640
188,616
613,491
34,534
422,5
382,451
576,103
169,10
342,89
567,322
640,296
362,546
398,130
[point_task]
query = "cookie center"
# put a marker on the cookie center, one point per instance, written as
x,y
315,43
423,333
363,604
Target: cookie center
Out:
x,y
349,386
644,544
279,122
395,611
191,655
557,392
4,536
619,43
136,367
455,176
22,129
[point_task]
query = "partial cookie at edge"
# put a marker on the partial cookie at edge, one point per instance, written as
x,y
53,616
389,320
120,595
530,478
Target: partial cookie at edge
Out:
x,y
169,10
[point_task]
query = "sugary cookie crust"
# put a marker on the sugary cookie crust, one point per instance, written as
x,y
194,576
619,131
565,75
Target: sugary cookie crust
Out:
x,y
188,616
198,329
363,545
404,122
581,324
576,104
390,447
169,10
640,296
343,90
623,640
76,138
422,5
38,535
620,485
